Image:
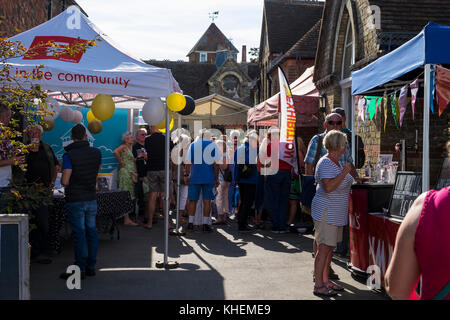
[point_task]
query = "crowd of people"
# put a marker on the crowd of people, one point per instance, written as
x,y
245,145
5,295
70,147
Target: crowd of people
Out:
x,y
225,177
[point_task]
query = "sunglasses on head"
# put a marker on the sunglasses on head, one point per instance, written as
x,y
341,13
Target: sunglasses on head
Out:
x,y
332,123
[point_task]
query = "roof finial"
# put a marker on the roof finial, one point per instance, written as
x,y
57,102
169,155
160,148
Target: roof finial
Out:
x,y
213,15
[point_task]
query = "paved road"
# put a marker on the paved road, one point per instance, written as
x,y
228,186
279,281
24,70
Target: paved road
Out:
x,y
218,266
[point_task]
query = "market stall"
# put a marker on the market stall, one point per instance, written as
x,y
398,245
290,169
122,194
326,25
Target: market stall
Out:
x,y
377,209
93,80
306,103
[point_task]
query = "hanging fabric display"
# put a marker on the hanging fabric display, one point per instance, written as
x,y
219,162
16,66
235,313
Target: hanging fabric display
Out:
x,y
414,86
402,102
377,106
394,107
442,88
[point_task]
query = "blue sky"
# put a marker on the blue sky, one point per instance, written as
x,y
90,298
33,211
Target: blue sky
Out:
x,y
168,29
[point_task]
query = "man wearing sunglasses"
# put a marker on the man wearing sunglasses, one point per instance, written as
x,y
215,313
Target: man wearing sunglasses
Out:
x,y
333,121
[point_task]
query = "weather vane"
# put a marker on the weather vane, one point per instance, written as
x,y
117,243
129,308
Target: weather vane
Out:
x,y
213,15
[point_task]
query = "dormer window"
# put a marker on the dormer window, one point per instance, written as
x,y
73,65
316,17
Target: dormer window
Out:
x,y
203,56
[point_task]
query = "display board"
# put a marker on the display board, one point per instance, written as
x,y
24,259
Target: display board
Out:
x,y
14,265
407,187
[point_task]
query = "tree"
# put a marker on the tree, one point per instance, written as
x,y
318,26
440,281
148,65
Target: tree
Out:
x,y
254,53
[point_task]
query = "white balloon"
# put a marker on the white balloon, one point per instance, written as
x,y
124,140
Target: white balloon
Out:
x,y
153,111
53,106
66,114
77,117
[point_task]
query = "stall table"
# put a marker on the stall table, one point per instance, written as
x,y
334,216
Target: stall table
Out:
x,y
372,234
112,205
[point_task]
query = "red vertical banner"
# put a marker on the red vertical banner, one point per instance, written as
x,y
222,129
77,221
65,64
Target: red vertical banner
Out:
x,y
359,229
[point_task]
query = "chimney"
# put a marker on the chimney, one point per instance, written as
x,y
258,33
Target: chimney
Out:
x,y
244,54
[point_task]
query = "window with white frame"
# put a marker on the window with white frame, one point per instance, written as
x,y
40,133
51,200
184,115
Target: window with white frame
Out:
x,y
203,56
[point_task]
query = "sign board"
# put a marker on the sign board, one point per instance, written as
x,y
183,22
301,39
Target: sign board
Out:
x,y
407,187
14,264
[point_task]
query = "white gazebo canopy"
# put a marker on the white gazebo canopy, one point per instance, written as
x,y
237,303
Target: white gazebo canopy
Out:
x,y
103,69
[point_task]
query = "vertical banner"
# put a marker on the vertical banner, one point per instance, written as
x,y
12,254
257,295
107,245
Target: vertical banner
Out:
x,y
287,151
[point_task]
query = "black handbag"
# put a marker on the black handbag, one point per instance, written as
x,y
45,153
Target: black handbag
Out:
x,y
246,170
227,175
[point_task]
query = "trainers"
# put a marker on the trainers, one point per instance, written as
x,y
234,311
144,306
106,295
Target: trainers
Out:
x,y
292,229
190,227
282,231
206,228
244,229
275,231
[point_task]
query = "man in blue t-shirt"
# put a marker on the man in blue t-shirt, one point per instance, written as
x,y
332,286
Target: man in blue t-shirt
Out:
x,y
201,174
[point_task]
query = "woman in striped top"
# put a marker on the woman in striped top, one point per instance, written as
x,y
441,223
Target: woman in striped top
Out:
x,y
329,209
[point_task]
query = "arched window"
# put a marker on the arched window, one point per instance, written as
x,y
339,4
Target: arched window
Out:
x,y
348,58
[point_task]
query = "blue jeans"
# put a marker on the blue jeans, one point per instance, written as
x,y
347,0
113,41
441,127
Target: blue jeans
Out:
x,y
81,217
276,193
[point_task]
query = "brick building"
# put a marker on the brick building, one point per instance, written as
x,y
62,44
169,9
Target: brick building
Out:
x,y
213,69
353,34
289,34
22,15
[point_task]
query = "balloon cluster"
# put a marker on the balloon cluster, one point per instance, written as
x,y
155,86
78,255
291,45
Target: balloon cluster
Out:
x,y
102,109
153,110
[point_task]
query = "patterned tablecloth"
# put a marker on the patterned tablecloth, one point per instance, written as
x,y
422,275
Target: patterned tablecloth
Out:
x,y
112,205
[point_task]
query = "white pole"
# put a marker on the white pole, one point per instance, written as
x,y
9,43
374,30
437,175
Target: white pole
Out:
x,y
178,174
166,194
426,130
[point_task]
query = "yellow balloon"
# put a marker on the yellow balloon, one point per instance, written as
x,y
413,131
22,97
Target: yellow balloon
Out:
x,y
163,130
90,116
176,102
95,126
103,107
162,125
48,124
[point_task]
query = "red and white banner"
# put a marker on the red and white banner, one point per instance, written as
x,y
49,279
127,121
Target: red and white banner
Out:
x,y
287,151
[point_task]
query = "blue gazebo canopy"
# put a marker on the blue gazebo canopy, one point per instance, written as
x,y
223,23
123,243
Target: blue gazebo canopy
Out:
x,y
430,46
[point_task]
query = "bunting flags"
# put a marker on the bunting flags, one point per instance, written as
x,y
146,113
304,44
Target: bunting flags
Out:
x,y
385,109
414,89
432,76
402,101
394,107
442,88
361,108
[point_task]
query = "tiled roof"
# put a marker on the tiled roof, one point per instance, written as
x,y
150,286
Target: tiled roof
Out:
x,y
287,22
306,47
411,15
213,40
192,77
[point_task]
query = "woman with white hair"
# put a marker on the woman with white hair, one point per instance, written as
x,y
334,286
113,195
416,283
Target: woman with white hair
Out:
x,y
224,183
329,209
127,172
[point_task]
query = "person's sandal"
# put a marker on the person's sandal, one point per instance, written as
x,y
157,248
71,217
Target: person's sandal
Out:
x,y
326,293
334,286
